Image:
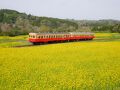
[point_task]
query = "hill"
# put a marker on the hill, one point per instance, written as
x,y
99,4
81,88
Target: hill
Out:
x,y
98,25
16,23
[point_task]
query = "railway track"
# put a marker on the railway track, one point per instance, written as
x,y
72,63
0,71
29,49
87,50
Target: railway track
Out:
x,y
66,42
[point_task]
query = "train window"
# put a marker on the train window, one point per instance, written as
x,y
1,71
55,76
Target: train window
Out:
x,y
38,36
49,36
33,36
43,36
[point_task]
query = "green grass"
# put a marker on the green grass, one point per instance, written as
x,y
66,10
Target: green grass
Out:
x,y
65,66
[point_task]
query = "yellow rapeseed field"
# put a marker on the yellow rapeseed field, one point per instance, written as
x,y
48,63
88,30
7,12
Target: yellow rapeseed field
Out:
x,y
106,35
22,37
65,66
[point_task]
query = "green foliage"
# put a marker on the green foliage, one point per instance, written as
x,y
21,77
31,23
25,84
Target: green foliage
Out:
x,y
98,25
21,23
14,23
116,28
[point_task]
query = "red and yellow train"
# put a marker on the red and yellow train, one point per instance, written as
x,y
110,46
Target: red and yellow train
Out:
x,y
37,38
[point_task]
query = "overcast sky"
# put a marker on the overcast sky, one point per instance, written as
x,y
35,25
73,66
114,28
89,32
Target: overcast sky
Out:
x,y
66,9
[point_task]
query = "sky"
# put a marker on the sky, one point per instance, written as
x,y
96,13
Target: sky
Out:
x,y
66,9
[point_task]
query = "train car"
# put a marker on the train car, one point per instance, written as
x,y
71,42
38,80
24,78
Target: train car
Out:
x,y
37,38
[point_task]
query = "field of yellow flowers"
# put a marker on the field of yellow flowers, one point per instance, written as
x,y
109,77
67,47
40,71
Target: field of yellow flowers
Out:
x,y
65,66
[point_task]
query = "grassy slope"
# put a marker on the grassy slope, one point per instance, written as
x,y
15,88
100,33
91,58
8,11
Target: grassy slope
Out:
x,y
80,65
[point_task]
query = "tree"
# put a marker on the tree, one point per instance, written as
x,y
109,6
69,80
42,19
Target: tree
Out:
x,y
45,28
116,28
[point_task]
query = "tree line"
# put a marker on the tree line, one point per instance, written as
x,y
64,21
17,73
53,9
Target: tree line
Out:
x,y
112,26
14,23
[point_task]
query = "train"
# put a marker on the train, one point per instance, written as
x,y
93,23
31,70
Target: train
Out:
x,y
37,38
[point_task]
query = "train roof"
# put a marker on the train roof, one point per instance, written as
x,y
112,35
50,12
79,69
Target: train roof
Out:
x,y
63,33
